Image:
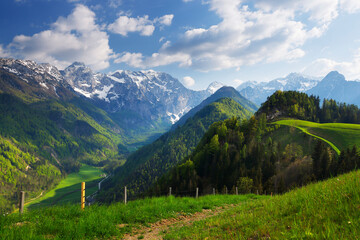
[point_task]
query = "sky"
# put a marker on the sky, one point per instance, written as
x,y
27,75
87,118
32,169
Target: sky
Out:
x,y
196,41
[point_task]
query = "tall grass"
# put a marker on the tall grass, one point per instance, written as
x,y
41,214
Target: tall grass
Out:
x,y
103,222
325,210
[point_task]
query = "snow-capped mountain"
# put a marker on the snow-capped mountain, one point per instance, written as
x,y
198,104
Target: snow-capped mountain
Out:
x,y
214,86
259,91
335,86
135,95
40,80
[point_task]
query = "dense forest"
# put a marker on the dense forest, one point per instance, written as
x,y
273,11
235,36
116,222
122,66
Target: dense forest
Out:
x,y
147,164
257,156
301,106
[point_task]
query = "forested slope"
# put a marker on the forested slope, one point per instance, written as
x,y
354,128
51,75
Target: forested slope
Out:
x,y
147,164
257,156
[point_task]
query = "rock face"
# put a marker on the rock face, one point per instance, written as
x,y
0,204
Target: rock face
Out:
x,y
258,92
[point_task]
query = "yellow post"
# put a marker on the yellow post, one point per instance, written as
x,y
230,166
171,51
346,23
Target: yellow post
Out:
x,y
83,195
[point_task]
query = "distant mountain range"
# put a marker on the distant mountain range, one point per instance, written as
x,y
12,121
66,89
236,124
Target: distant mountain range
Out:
x,y
258,92
333,86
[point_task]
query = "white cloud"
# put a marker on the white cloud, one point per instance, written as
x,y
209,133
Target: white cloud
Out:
x,y
323,66
157,59
188,81
269,31
124,24
74,38
146,27
350,6
3,52
165,20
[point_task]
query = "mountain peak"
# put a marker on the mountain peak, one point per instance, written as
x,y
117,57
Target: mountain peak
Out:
x,y
334,76
77,64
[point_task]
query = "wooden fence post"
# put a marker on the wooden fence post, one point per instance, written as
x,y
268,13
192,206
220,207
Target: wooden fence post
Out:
x,y
226,190
125,196
169,191
22,201
197,192
265,192
257,192
83,195
236,191
271,193
213,191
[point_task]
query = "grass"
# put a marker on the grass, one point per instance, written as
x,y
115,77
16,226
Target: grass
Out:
x,y
104,222
339,136
69,188
325,210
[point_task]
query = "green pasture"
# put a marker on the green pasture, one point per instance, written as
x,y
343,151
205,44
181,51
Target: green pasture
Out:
x,y
338,135
68,189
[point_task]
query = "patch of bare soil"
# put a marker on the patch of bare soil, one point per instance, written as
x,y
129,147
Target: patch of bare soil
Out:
x,y
156,229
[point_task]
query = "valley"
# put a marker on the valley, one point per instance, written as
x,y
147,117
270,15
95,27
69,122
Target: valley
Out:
x,y
68,189
188,119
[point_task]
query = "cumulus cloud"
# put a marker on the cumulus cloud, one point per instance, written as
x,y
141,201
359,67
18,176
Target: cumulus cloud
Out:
x,y
146,27
269,31
3,52
350,6
165,20
323,66
188,81
73,38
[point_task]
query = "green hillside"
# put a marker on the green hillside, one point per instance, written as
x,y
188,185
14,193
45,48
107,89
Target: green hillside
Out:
x,y
54,137
339,136
325,210
267,154
146,165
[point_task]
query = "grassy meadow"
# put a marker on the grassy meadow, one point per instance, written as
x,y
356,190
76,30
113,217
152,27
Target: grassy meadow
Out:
x,y
325,210
68,190
104,222
338,135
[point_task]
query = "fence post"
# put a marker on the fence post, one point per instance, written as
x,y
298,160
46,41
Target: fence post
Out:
x,y
169,191
271,193
83,195
197,192
213,191
236,191
22,201
257,192
265,192
125,196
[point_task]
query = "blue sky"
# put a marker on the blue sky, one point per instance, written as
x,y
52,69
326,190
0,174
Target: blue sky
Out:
x,y
196,41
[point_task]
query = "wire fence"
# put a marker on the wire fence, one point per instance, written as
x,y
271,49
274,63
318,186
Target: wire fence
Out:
x,y
74,196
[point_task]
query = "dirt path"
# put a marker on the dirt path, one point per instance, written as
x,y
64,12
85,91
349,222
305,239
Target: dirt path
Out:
x,y
156,229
